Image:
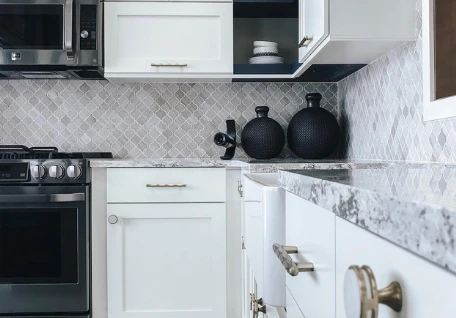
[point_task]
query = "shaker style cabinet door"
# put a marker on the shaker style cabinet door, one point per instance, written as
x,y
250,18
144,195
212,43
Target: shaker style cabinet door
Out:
x,y
166,260
313,25
311,229
427,290
152,39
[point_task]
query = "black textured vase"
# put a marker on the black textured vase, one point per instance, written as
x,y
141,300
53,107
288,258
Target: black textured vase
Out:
x,y
263,137
313,133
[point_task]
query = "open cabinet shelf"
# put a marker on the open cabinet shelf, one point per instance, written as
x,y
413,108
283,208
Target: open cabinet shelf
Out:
x,y
266,9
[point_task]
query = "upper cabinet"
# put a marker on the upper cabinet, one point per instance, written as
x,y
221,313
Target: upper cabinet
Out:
x,y
348,32
317,40
168,40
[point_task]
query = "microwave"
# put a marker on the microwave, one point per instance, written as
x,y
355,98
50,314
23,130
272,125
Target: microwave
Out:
x,y
51,39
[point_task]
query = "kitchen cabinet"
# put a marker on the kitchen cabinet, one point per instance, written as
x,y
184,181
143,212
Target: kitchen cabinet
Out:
x,y
264,224
168,237
167,260
352,31
427,290
320,39
176,40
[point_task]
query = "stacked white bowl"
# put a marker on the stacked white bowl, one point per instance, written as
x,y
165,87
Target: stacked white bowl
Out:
x,y
265,52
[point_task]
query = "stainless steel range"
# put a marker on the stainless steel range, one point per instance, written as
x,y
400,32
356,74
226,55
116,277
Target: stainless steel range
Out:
x,y
44,232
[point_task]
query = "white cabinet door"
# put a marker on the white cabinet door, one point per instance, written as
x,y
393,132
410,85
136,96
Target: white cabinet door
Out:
x,y
313,23
312,230
428,290
254,241
167,261
147,38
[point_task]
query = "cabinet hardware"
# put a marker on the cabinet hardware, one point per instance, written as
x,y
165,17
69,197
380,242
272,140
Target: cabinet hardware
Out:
x,y
360,282
169,64
258,307
243,244
292,268
304,40
241,192
166,185
113,219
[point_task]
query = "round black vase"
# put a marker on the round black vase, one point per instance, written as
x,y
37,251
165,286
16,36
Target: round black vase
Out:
x,y
313,133
263,137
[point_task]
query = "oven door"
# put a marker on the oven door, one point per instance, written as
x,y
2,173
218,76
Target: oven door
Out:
x,y
37,32
44,249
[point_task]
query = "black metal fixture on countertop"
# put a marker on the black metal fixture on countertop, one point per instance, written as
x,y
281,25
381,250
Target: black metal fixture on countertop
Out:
x,y
227,140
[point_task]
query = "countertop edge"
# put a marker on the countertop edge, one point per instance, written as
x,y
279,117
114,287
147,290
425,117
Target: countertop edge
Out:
x,y
420,228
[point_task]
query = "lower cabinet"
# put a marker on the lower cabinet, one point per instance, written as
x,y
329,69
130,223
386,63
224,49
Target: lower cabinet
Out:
x,y
426,290
166,260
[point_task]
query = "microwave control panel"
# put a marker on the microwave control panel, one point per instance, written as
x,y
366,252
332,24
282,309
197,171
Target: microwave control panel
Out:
x,y
88,23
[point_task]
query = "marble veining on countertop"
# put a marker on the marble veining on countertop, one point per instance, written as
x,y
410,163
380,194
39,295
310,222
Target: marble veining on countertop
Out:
x,y
263,166
166,163
413,206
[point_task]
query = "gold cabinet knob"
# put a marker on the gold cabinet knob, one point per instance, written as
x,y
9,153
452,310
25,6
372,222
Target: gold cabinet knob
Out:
x,y
258,306
361,296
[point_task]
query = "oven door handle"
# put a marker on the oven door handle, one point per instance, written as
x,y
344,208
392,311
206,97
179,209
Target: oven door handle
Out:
x,y
68,29
42,198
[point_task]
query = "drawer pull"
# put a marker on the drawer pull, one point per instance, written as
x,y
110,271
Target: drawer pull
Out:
x,y
292,268
166,185
304,40
361,296
169,64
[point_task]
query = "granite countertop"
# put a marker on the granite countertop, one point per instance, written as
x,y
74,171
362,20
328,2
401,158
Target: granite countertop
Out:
x,y
264,166
413,206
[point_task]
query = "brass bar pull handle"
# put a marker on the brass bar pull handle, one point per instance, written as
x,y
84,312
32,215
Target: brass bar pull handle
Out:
x,y
304,40
169,64
166,185
292,268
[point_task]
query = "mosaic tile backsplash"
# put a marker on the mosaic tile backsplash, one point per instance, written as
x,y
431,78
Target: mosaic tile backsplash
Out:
x,y
381,110
143,120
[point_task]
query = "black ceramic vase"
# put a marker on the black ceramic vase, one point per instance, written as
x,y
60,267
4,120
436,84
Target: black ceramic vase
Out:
x,y
313,133
263,137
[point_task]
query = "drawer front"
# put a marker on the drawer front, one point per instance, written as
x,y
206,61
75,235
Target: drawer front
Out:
x,y
253,190
142,185
312,230
293,310
197,36
428,290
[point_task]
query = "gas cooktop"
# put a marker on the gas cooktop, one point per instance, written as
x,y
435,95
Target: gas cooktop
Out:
x,y
45,165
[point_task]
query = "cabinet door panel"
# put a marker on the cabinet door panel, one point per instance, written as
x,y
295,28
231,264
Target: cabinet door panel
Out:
x,y
428,291
314,23
167,261
198,36
312,230
254,241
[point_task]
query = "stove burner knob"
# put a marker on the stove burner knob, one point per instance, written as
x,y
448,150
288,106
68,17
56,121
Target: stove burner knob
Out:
x,y
39,172
56,172
74,172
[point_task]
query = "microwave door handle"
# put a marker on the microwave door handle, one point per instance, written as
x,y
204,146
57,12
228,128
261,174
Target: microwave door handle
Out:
x,y
68,29
43,198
